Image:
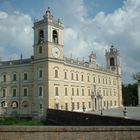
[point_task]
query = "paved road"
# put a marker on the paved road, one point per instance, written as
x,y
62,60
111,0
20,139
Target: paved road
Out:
x,y
133,112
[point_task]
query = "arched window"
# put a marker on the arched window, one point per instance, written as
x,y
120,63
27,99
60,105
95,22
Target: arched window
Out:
x,y
112,63
55,36
56,74
41,36
40,91
4,93
65,75
14,104
40,73
4,78
3,104
56,91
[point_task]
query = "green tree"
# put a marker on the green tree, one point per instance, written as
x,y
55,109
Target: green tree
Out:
x,y
136,77
130,94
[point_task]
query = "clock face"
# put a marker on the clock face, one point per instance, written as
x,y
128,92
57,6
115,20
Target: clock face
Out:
x,y
56,52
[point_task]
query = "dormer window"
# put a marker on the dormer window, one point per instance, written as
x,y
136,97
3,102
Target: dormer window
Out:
x,y
55,36
41,36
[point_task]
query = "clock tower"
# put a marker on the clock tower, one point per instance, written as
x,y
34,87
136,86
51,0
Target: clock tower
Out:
x,y
48,37
48,49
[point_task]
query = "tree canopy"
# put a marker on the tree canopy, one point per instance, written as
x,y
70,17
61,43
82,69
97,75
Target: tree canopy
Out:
x,y
130,95
136,77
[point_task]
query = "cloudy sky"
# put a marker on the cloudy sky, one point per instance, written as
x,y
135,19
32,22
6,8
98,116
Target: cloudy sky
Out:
x,y
90,25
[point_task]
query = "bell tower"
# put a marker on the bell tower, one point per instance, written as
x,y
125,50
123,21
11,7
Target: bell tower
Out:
x,y
48,37
113,60
92,60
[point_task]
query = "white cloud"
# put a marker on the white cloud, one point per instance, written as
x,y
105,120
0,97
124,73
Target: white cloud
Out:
x,y
83,33
3,15
16,35
120,28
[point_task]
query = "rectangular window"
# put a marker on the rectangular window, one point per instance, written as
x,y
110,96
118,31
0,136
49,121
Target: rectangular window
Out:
x,y
110,92
25,76
40,73
103,80
14,92
73,106
110,103
65,75
88,78
98,79
25,90
88,92
4,92
94,80
40,49
82,78
56,74
72,76
40,106
72,91
77,77
114,92
4,78
77,91
14,77
56,91
40,91
82,92
83,106
103,92
66,93
78,106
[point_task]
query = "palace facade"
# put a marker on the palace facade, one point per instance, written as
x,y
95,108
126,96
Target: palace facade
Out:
x,y
50,80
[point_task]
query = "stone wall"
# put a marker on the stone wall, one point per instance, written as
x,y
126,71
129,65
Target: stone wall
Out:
x,y
70,133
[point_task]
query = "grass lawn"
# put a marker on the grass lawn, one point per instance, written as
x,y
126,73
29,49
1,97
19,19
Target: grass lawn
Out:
x,y
15,121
